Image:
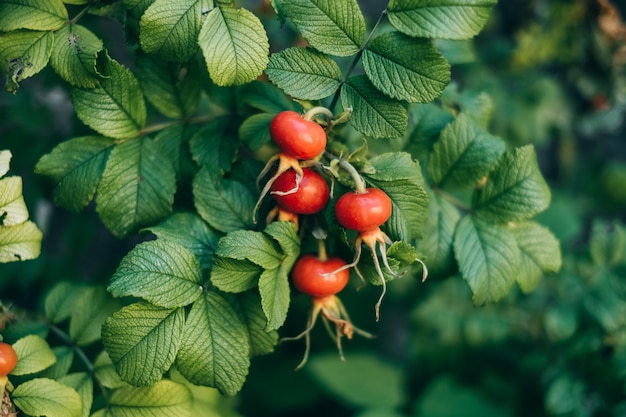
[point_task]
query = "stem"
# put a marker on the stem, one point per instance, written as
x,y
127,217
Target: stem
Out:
x,y
160,126
357,58
80,14
322,255
361,187
452,199
317,110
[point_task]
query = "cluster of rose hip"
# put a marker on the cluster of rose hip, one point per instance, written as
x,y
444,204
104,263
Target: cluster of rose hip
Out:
x,y
299,188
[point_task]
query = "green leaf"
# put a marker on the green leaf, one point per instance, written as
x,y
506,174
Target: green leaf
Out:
x,y
12,206
248,308
74,56
357,381
215,145
90,310
137,7
34,355
253,246
142,340
464,154
173,142
565,395
488,256
76,165
224,204
171,87
607,244
255,132
234,275
234,45
214,350
32,14
304,73
445,19
190,231
436,246
163,399
20,242
5,160
116,108
46,397
335,27
541,253
23,54
137,186
267,98
373,114
405,68
59,302
286,234
83,384
64,358
161,272
170,29
515,189
398,175
105,373
275,293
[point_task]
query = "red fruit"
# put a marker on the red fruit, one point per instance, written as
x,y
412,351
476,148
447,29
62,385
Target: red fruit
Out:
x,y
8,359
309,197
308,276
297,137
363,212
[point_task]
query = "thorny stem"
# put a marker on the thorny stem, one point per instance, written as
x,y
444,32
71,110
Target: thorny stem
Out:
x,y
357,58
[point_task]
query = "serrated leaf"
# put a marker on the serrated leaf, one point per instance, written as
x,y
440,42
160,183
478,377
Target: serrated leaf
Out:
x,y
254,131
105,373
59,302
540,251
464,154
161,272
215,145
401,179
23,53
5,160
90,310
488,257
248,307
64,358
267,98
275,294
445,19
32,14
142,340
34,355
214,350
224,204
171,87
234,45
116,107
405,68
12,206
137,7
46,397
191,232
253,246
373,113
234,275
436,247
83,384
347,383
335,27
170,29
163,399
304,73
20,242
137,186
515,189
76,165
286,234
74,56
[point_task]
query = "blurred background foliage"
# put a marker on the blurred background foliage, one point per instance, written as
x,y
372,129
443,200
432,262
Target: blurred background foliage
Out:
x,y
551,73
